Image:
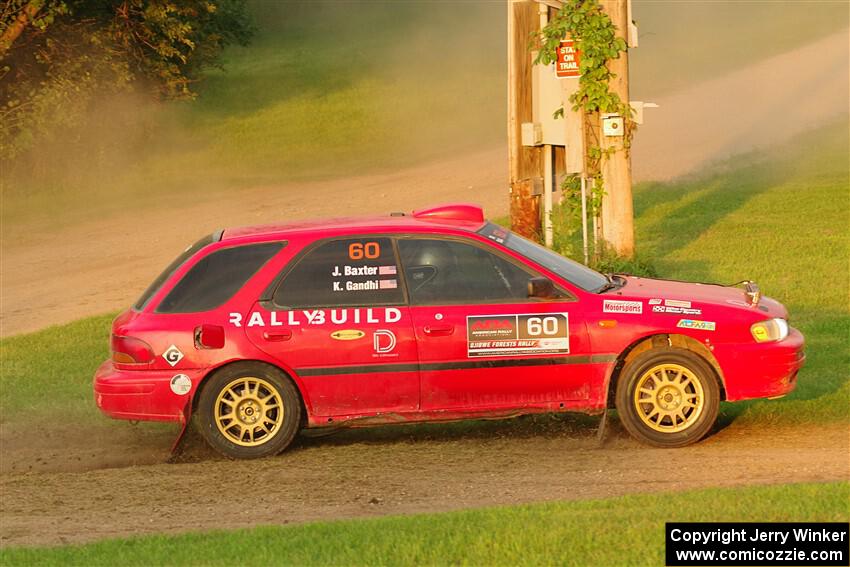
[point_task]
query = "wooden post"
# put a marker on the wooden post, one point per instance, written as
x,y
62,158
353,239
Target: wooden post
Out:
x,y
617,207
524,161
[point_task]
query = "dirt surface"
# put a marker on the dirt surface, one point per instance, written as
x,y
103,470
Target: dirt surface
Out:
x,y
102,265
762,104
393,470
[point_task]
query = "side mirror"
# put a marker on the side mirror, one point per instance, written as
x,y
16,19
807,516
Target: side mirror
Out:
x,y
541,287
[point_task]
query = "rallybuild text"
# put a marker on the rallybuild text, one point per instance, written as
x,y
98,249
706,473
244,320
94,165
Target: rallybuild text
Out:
x,y
757,543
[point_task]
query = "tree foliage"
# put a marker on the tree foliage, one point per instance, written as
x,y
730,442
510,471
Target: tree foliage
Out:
x,y
56,55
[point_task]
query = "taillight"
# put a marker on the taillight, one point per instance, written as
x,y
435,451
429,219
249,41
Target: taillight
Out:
x,y
127,350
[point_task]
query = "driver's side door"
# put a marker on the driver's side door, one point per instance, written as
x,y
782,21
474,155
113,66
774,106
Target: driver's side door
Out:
x,y
482,342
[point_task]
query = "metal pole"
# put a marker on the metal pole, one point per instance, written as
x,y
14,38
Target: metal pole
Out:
x,y
584,219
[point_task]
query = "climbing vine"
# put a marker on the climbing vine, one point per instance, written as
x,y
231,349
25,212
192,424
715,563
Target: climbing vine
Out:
x,y
596,39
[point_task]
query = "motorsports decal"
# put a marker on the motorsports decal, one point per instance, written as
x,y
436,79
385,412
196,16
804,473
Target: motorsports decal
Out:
x,y
615,306
673,306
297,317
510,335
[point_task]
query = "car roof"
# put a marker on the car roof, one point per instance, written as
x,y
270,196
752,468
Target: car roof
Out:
x,y
457,216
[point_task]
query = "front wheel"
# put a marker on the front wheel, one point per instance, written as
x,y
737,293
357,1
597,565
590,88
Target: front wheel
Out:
x,y
668,397
248,411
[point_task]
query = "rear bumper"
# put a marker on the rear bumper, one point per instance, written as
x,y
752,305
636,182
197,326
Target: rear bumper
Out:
x,y
762,370
143,395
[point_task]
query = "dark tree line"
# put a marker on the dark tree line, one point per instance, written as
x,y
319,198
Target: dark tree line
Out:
x,y
56,55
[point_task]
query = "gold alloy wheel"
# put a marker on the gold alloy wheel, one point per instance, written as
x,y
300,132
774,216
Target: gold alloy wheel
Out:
x,y
248,411
669,398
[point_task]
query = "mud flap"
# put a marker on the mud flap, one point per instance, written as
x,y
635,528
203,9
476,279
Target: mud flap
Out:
x,y
185,419
600,433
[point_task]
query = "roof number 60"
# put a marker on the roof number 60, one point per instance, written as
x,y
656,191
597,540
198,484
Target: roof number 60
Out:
x,y
359,251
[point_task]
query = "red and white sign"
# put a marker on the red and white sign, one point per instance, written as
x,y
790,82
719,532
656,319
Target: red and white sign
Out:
x,y
567,64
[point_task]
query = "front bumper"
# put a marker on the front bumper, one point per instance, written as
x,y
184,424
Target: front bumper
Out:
x,y
762,370
143,395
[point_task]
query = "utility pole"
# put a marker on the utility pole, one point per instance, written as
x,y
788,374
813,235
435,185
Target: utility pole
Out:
x,y
617,206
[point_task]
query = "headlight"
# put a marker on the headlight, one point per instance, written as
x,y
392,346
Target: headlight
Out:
x,y
770,330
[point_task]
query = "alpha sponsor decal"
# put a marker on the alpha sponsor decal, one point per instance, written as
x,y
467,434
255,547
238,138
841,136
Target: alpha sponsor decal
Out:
x,y
348,335
510,335
616,306
180,384
172,355
297,317
655,302
384,342
699,325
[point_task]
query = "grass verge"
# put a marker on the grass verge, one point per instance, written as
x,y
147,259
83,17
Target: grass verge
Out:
x,y
616,531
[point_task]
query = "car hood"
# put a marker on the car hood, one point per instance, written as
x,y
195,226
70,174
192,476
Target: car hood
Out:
x,y
729,297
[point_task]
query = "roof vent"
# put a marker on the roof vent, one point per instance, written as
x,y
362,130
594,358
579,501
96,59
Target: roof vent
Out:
x,y
452,212
397,214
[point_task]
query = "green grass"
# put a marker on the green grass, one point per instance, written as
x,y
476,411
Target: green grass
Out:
x,y
616,531
684,43
341,88
50,372
780,218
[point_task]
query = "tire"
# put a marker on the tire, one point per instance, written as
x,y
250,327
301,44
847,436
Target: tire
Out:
x,y
668,397
264,404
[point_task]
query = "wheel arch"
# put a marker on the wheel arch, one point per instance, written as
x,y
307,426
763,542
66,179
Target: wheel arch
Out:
x,y
659,341
239,362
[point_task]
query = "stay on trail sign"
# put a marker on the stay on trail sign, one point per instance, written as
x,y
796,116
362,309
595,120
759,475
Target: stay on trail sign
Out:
x,y
567,64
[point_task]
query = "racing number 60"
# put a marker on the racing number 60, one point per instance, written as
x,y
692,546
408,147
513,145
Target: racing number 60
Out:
x,y
359,251
537,326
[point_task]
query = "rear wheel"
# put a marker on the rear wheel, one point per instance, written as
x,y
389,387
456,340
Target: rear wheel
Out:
x,y
249,410
668,397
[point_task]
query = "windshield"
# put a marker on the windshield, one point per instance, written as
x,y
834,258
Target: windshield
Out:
x,y
172,267
575,273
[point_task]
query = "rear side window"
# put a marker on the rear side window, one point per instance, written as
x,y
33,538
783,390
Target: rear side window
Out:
x,y
349,272
217,277
172,267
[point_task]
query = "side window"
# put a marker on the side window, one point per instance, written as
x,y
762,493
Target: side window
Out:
x,y
349,272
217,277
447,271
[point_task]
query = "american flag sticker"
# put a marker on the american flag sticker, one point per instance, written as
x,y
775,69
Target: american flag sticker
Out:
x,y
388,284
387,271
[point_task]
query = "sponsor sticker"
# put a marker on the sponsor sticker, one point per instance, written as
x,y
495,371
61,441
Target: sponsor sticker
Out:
x,y
614,306
694,324
655,302
384,342
180,384
676,310
348,335
298,317
172,355
511,335
677,303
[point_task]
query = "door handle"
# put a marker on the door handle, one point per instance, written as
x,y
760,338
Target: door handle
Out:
x,y
439,330
277,336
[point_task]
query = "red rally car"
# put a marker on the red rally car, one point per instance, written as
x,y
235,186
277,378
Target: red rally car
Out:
x,y
436,315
